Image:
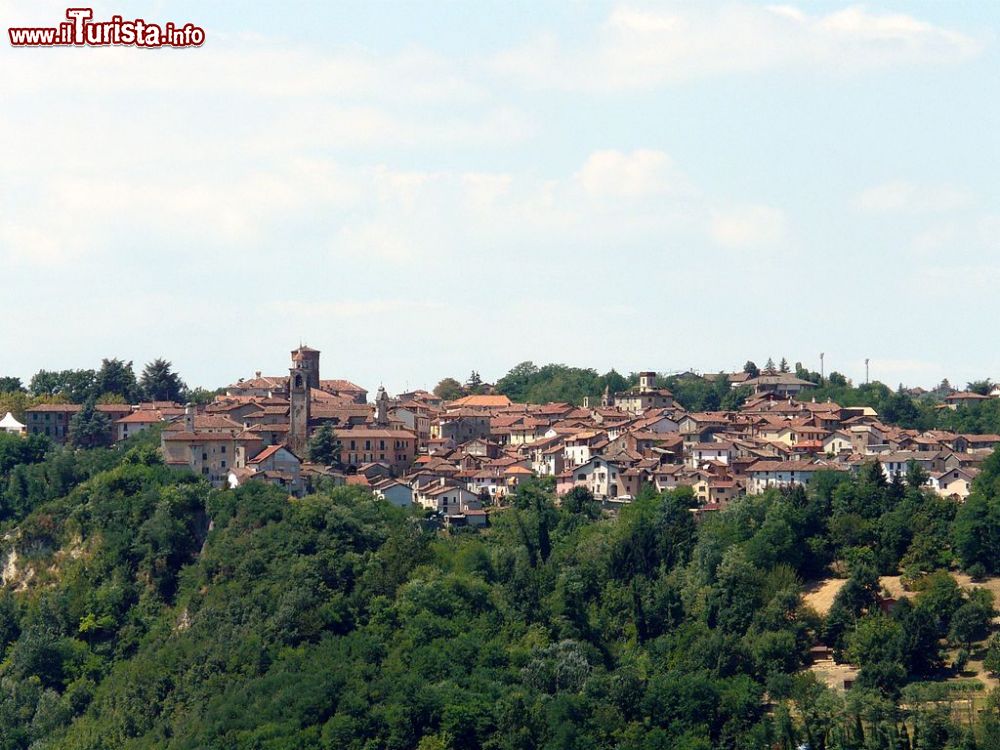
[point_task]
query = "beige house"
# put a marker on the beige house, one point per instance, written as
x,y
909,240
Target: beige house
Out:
x,y
644,397
136,422
838,442
954,483
361,445
208,445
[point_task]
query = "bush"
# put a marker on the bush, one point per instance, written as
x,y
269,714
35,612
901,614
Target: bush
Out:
x,y
961,660
977,572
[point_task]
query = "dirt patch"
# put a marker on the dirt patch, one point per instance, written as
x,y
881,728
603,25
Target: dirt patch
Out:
x,y
894,587
833,675
820,594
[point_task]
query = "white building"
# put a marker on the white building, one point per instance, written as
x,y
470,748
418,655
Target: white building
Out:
x,y
10,425
598,475
720,452
764,475
395,492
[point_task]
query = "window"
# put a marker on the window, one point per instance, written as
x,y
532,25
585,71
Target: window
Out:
x,y
222,450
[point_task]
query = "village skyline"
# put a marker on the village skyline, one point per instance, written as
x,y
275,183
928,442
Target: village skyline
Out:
x,y
398,382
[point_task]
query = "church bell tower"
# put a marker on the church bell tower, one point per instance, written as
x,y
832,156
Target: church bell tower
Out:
x,y
302,377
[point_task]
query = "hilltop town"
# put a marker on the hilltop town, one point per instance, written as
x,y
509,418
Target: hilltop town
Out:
x,y
461,457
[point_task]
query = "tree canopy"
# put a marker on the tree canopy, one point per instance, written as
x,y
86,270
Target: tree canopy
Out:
x,y
529,383
159,382
162,613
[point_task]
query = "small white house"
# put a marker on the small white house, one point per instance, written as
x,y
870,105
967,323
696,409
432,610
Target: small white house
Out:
x,y
718,452
395,492
447,499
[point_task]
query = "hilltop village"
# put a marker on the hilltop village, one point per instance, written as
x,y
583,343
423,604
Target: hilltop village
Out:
x,y
461,457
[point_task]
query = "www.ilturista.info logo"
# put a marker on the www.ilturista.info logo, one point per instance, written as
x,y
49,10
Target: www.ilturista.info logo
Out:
x,y
81,30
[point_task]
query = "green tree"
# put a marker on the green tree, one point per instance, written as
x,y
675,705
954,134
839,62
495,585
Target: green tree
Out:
x,y
89,427
75,385
941,596
474,385
200,396
916,476
751,369
11,385
324,447
972,620
116,377
976,532
449,389
160,383
982,387
991,662
877,646
920,643
580,500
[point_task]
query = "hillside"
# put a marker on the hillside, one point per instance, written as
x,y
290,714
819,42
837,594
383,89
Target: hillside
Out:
x,y
141,609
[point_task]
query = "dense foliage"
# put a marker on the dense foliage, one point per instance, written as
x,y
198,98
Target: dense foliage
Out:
x,y
529,383
700,394
143,609
113,382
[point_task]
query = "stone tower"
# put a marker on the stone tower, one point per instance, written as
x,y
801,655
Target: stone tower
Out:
x,y
382,408
606,398
307,360
302,376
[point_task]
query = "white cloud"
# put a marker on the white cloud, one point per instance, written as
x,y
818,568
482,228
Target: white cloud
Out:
x,y
638,49
900,195
376,242
630,175
21,244
748,226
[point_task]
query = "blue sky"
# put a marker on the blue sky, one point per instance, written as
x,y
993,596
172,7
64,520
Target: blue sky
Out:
x,y
423,189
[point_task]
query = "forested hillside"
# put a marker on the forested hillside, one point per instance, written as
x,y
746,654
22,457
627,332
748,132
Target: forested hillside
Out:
x,y
143,610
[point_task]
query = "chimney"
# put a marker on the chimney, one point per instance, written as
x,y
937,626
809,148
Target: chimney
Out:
x,y
189,418
258,374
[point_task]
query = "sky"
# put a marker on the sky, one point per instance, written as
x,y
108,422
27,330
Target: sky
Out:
x,y
423,189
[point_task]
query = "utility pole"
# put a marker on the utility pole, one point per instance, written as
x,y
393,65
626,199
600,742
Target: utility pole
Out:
x,y
866,370
822,371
